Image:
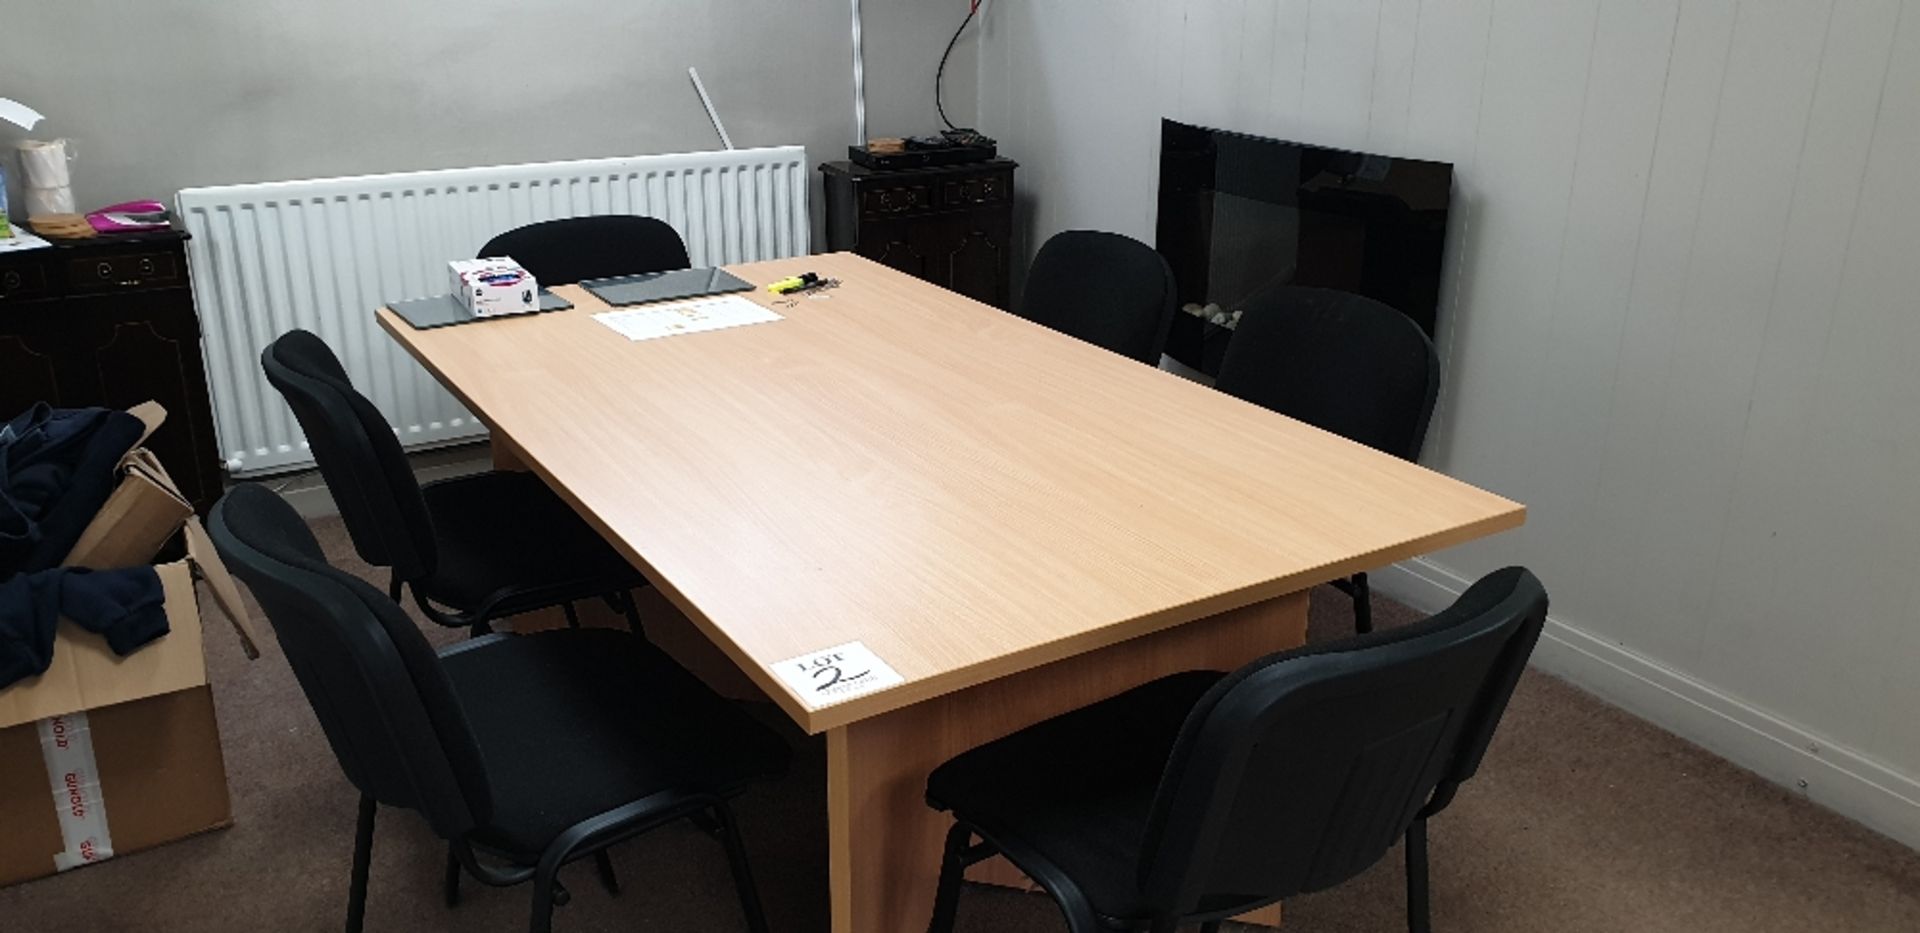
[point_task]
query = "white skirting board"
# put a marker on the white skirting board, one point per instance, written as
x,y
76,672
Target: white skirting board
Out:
x,y
1834,777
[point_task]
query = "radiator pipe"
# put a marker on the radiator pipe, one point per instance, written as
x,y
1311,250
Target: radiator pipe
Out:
x,y
859,82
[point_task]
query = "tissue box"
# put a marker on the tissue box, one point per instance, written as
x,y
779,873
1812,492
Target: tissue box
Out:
x,y
488,287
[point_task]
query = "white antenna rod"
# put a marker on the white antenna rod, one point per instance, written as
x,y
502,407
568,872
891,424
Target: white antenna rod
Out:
x,y
707,102
859,83
23,116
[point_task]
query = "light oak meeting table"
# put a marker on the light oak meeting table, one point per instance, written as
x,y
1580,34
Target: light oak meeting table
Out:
x,y
1015,522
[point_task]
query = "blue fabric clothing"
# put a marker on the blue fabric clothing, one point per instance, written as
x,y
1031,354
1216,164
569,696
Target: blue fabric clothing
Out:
x,y
127,606
56,471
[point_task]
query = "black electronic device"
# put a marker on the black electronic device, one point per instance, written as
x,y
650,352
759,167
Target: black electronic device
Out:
x,y
1241,214
951,147
621,290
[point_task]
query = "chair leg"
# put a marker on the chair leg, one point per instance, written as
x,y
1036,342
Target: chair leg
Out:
x,y
1213,927
1419,917
362,863
1362,604
545,889
573,618
742,874
953,870
608,879
704,821
393,587
450,887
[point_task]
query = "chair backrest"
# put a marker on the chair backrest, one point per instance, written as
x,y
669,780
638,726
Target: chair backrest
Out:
x,y
374,683
1106,289
359,456
561,252
1338,361
1301,769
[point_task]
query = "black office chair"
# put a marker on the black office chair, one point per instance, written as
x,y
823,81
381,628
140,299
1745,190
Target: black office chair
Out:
x,y
601,738
474,548
1342,362
1201,796
1106,289
561,252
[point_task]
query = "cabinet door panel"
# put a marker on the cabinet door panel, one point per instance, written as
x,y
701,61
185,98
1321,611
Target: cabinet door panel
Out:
x,y
32,373
974,264
972,254
897,243
153,353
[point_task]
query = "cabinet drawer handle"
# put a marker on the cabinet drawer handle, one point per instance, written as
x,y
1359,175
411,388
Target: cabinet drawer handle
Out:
x,y
12,280
105,269
899,199
146,267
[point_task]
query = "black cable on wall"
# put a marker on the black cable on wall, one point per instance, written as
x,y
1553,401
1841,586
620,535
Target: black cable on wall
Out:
x,y
940,73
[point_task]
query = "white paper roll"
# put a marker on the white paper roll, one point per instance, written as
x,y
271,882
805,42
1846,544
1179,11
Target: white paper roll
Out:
x,y
45,163
44,201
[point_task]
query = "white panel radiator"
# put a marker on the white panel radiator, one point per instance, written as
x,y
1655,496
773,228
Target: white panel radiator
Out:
x,y
324,254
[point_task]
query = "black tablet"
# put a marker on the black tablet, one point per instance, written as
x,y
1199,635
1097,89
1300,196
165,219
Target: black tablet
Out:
x,y
662,286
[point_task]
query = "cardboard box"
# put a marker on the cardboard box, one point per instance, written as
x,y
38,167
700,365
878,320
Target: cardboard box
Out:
x,y
104,755
494,286
144,511
159,771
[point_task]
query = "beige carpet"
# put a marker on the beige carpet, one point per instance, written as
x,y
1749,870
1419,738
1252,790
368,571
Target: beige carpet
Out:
x,y
1583,819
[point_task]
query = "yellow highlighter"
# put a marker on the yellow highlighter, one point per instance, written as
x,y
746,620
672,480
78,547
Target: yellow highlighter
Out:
x,y
794,283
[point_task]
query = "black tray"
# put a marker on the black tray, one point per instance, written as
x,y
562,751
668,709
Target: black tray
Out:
x,y
446,310
647,287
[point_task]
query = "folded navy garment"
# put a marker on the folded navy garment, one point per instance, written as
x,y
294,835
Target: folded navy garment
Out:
x,y
56,471
127,606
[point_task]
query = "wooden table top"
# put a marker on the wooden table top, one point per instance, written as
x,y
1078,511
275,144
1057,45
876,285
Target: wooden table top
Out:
x,y
964,492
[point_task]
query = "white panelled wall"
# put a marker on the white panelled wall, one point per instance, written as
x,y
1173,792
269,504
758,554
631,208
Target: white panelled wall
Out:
x,y
1681,318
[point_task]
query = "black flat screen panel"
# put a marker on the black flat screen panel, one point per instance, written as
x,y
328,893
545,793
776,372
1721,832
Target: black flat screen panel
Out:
x,y
1240,214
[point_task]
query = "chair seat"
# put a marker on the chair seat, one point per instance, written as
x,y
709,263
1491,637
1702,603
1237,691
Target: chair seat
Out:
x,y
506,543
573,723
1075,791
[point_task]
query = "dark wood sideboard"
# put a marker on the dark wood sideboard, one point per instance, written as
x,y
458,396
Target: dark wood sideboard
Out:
x,y
109,321
951,225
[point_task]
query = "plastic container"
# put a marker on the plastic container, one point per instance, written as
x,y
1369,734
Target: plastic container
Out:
x,y
6,230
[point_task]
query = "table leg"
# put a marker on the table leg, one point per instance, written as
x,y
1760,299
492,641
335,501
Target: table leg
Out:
x,y
885,843
506,456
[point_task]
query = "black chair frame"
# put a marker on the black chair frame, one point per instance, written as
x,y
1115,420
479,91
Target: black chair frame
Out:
x,y
391,708
510,601
1106,289
1490,632
575,249
1276,302
962,853
591,837
348,479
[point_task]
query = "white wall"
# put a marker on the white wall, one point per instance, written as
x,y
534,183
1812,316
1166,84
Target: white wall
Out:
x,y
1681,319
161,96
